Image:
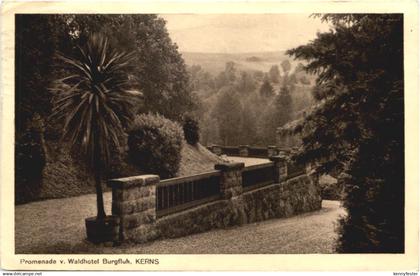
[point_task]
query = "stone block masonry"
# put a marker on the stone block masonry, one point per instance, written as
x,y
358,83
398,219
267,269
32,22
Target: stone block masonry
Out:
x,y
134,202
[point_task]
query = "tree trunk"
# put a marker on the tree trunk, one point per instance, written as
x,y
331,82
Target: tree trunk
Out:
x,y
98,181
99,196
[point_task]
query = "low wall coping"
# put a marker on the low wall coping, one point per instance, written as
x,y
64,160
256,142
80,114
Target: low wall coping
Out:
x,y
229,166
259,166
278,158
190,178
134,181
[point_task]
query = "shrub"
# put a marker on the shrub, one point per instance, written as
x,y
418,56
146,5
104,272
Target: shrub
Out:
x,y
331,189
191,130
154,145
30,161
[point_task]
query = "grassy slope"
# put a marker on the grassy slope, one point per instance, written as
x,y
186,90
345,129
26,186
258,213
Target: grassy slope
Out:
x,y
197,159
63,177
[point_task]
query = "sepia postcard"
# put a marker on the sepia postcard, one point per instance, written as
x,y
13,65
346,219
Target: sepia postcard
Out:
x,y
209,136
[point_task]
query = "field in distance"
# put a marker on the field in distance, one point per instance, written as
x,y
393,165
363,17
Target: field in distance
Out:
x,y
215,62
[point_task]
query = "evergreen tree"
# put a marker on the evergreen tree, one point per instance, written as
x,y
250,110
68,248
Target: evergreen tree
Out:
x,y
266,89
358,127
248,126
283,107
274,74
286,66
245,84
227,112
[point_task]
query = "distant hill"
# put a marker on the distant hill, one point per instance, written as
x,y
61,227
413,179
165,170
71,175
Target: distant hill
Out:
x,y
215,62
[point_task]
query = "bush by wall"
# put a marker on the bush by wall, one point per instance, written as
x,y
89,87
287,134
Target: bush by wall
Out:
x,y
191,130
331,189
30,161
154,145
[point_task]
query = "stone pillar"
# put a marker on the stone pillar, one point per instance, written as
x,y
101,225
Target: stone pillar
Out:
x,y
272,151
134,202
280,168
216,149
231,190
231,179
244,150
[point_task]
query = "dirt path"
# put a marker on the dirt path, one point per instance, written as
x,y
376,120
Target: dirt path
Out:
x,y
57,226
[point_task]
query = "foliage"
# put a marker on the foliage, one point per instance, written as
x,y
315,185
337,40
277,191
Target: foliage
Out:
x,y
199,79
286,66
37,39
266,89
30,161
248,126
230,71
292,80
160,69
283,105
258,75
304,80
227,112
191,130
260,116
226,77
358,127
331,190
246,83
155,145
274,74
268,125
299,68
275,115
95,103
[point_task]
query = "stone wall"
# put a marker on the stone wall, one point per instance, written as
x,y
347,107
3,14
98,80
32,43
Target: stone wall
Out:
x,y
134,202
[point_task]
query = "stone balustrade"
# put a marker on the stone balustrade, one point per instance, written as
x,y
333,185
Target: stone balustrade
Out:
x,y
134,202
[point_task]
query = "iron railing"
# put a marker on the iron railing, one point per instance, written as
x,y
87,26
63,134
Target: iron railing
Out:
x,y
180,193
257,176
294,170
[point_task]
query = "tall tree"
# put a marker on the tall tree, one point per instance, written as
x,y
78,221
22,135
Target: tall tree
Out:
x,y
274,74
37,39
95,103
286,66
245,83
278,113
160,69
283,107
358,127
266,89
230,71
248,127
227,112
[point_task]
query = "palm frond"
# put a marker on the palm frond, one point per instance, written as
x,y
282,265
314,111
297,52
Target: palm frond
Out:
x,y
93,99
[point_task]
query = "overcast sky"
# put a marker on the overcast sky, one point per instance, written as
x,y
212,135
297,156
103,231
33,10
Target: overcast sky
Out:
x,y
234,33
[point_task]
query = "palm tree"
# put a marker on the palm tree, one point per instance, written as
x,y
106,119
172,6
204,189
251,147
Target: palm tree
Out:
x,y
95,103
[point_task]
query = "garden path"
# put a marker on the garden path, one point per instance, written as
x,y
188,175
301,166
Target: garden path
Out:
x,y
57,226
